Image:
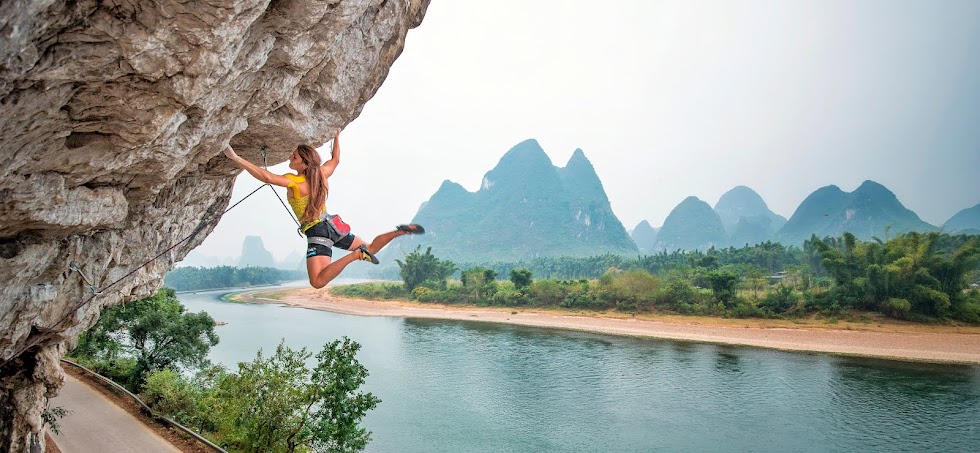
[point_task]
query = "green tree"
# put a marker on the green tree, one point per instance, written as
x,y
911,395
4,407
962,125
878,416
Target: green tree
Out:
x,y
756,278
340,408
156,332
277,404
522,279
913,273
421,267
480,283
724,284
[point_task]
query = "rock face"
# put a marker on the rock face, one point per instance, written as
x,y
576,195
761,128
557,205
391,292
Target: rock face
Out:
x,y
113,116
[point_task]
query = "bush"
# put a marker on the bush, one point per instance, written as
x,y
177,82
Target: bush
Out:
x,y
896,308
371,291
508,297
678,294
578,294
744,309
781,300
630,290
167,392
969,310
119,370
547,293
420,293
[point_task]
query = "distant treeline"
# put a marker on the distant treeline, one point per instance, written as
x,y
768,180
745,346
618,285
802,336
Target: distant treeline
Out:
x,y
769,257
920,277
196,278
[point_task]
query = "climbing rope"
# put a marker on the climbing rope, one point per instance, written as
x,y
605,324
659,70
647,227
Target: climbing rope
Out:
x,y
99,291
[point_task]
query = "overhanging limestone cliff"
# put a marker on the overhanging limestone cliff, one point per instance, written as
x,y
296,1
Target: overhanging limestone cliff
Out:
x,y
113,116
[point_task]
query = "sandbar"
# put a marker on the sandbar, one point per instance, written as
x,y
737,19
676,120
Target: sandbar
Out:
x,y
878,338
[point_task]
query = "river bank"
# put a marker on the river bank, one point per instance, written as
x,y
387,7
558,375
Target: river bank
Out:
x,y
884,339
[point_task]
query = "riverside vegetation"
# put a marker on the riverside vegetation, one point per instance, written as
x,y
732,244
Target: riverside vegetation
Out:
x,y
200,278
274,403
923,277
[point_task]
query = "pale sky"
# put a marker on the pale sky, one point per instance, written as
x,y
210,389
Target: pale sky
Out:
x,y
667,99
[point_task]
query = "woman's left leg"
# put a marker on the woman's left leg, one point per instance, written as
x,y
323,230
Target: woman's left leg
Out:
x,y
379,242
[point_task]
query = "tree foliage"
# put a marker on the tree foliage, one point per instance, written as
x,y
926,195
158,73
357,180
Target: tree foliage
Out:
x,y
196,278
521,278
154,333
419,268
912,276
274,403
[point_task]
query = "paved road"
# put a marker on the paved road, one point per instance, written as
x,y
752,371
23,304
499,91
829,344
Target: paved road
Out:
x,y
95,424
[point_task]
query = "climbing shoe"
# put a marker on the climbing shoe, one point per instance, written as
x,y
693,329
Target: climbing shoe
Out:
x,y
411,228
366,255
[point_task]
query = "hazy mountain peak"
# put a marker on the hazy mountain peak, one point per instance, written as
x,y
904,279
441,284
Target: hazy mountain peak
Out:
x,y
691,201
578,155
524,163
450,186
741,196
448,194
967,219
525,208
644,236
691,225
870,210
580,178
746,217
527,152
874,189
872,185
254,253
831,189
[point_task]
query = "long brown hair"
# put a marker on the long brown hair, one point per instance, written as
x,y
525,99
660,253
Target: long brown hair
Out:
x,y
318,185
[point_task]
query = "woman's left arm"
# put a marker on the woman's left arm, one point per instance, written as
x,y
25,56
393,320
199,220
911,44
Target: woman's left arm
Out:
x,y
329,166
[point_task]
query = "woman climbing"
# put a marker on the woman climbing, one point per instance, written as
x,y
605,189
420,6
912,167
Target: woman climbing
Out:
x,y
306,192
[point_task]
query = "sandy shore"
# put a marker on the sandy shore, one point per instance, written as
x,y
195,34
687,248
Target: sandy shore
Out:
x,y
881,339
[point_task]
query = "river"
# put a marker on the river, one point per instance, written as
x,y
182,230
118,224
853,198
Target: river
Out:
x,y
452,386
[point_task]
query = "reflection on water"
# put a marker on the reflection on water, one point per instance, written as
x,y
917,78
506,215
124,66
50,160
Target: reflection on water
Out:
x,y
468,386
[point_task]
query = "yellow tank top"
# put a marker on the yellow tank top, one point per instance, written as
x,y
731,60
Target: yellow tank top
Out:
x,y
298,201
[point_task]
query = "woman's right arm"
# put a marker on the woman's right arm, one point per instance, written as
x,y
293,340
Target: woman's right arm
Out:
x,y
258,172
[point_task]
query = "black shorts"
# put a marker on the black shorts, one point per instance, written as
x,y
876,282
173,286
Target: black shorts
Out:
x,y
321,230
